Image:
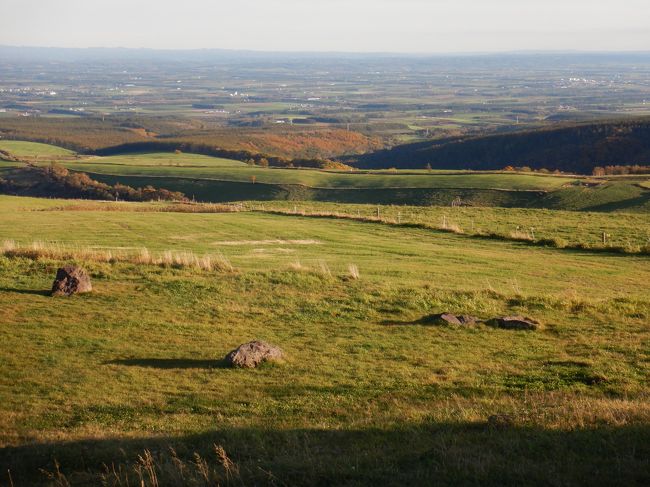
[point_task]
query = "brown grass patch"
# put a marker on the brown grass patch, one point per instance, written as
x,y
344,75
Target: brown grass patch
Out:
x,y
56,251
267,242
180,207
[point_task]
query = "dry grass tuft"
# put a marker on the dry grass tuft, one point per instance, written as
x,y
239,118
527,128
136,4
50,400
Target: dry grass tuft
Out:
x,y
451,228
179,207
353,271
520,235
155,470
56,477
298,267
143,256
324,269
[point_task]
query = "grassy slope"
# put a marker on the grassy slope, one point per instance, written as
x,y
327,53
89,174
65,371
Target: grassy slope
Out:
x,y
215,179
626,195
574,227
416,256
166,159
5,166
146,165
33,149
615,195
358,401
209,181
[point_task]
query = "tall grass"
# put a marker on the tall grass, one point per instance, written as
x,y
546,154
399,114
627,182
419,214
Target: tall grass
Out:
x,y
353,271
156,469
38,250
322,269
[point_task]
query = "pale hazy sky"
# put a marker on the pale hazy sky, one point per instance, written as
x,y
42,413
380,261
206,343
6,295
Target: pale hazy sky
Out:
x,y
331,25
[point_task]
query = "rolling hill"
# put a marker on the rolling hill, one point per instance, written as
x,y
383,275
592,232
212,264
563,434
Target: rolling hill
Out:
x,y
569,148
212,179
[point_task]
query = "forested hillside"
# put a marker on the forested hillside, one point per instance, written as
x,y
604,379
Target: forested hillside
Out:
x,y
576,148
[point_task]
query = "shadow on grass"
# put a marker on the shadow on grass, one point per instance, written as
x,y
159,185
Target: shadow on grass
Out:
x,y
421,321
34,292
635,202
426,320
171,363
408,454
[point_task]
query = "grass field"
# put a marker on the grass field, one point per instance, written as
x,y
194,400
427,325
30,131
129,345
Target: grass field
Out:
x,y
214,179
574,228
205,178
367,394
33,149
195,166
243,238
147,165
4,165
166,159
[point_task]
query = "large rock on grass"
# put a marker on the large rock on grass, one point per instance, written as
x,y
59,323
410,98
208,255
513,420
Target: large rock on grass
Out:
x,y
71,279
514,323
252,354
449,319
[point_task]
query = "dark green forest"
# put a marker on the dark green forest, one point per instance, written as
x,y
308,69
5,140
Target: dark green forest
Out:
x,y
574,148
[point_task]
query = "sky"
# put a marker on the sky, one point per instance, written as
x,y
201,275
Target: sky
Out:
x,y
419,26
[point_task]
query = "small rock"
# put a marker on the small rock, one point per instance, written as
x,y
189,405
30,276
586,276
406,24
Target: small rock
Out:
x,y
514,323
468,319
71,279
252,354
450,319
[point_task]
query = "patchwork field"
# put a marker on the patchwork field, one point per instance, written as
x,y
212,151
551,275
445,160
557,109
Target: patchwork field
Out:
x,y
96,388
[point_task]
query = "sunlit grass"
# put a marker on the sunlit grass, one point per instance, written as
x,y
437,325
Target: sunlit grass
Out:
x,y
367,392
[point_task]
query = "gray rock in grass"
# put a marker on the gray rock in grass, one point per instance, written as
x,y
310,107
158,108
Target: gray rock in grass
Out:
x,y
450,319
71,279
514,323
250,355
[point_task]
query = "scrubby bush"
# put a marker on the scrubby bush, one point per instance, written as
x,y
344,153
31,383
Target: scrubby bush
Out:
x,y
57,181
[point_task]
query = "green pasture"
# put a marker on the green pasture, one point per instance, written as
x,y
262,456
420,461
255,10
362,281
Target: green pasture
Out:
x,y
367,393
216,179
573,227
33,149
204,167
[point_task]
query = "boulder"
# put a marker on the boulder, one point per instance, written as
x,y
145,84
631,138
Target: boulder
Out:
x,y
468,319
450,319
71,279
252,354
514,323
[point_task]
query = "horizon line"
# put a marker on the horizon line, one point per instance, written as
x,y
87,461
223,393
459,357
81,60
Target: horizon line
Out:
x,y
338,52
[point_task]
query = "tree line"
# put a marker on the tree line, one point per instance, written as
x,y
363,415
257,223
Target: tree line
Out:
x,y
57,181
